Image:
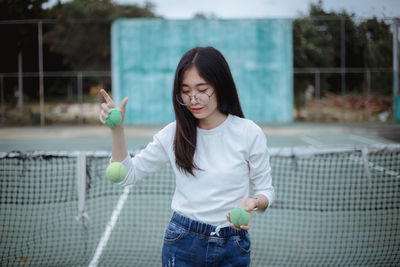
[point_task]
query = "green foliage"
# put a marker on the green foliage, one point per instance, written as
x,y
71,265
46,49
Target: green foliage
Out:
x,y
378,43
80,40
200,15
21,9
311,48
317,42
18,37
378,51
82,34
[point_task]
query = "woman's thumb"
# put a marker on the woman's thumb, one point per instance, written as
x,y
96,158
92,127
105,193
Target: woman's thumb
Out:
x,y
123,104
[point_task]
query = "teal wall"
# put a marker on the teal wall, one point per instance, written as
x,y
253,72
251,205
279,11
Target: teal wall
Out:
x,y
145,53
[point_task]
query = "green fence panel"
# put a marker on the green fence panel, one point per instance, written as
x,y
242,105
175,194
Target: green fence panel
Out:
x,y
145,53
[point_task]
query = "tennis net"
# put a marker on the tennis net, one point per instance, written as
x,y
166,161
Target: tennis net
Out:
x,y
334,207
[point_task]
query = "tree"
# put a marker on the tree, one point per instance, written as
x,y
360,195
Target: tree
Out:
x,y
21,9
19,40
354,57
311,50
377,51
317,43
82,34
378,39
200,15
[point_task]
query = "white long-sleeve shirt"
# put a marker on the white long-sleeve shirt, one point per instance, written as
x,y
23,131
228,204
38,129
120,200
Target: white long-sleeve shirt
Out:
x,y
233,157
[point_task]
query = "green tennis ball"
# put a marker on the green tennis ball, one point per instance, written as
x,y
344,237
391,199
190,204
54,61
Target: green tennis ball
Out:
x,y
114,118
116,172
239,216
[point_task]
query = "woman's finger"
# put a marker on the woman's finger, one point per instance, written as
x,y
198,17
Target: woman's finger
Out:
x,y
101,119
105,108
104,115
228,217
245,227
123,104
107,97
234,227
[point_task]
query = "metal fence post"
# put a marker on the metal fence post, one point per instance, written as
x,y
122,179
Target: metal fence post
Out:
x,y
318,93
368,93
396,90
20,82
41,86
343,54
2,98
80,97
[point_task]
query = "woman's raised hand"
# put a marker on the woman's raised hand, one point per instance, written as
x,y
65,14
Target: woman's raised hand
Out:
x,y
108,105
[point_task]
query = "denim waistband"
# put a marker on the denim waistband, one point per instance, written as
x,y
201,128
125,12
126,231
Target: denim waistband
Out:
x,y
204,228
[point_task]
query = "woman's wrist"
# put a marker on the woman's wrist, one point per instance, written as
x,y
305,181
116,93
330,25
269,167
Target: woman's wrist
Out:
x,y
257,201
117,129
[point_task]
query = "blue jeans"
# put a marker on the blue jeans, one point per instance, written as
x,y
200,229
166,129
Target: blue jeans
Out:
x,y
192,243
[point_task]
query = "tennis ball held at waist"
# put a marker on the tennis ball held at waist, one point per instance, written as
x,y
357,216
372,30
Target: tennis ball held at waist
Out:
x,y
114,118
116,172
239,216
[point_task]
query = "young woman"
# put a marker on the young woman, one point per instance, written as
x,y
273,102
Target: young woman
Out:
x,y
217,157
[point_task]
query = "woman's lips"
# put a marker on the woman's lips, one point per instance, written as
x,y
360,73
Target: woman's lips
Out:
x,y
195,110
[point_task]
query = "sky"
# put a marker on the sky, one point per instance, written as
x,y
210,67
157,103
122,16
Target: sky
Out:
x,y
184,9
269,8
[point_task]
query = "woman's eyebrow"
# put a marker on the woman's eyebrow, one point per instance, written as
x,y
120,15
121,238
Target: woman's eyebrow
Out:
x,y
197,85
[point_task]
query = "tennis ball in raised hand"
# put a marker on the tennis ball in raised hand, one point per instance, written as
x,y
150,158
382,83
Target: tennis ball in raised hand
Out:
x,y
114,118
239,216
116,172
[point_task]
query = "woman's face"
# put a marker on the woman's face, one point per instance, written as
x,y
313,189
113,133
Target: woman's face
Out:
x,y
195,92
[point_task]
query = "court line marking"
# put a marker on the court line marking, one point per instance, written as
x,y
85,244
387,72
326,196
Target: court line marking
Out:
x,y
110,227
309,140
362,139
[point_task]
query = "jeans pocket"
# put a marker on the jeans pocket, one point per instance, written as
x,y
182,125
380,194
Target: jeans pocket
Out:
x,y
243,243
173,233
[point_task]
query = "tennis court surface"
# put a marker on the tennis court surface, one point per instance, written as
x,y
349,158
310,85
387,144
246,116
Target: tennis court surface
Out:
x,y
94,138
338,200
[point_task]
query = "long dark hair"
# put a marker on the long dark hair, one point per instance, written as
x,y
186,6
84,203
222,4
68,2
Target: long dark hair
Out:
x,y
212,67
